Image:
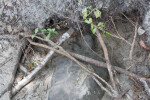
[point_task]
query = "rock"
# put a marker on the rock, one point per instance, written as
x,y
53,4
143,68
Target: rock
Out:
x,y
33,14
141,31
70,82
126,93
6,96
127,90
9,59
9,28
146,22
87,43
142,69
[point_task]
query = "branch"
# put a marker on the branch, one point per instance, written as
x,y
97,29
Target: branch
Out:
x,y
118,69
109,67
133,43
31,76
103,65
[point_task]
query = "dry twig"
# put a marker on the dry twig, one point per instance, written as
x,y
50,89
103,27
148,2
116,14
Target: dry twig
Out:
x,y
30,77
103,65
109,67
133,43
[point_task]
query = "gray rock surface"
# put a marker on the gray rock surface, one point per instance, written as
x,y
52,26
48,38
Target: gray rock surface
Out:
x,y
18,14
70,82
10,52
146,23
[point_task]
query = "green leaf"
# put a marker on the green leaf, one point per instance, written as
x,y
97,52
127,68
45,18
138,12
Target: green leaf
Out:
x,y
87,21
97,13
53,29
36,30
90,20
56,32
103,32
33,36
91,27
49,30
84,12
107,35
44,30
94,30
44,35
48,36
101,25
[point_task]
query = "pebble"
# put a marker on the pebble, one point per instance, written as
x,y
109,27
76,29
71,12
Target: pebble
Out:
x,y
9,28
141,31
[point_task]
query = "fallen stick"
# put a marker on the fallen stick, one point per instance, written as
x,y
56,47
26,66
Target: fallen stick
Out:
x,y
103,65
30,77
133,43
109,66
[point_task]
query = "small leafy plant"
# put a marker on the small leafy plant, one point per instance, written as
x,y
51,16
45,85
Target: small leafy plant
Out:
x,y
32,65
88,11
35,32
46,32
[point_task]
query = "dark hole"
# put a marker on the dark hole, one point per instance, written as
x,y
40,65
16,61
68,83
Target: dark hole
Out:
x,y
51,22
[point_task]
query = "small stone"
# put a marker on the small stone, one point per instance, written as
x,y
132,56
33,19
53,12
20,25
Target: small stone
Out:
x,y
11,17
18,3
5,3
15,31
9,28
141,31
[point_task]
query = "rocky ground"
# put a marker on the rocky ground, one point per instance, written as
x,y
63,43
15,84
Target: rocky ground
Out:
x,y
63,79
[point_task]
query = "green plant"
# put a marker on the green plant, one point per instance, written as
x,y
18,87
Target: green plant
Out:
x,y
46,32
35,32
33,64
88,11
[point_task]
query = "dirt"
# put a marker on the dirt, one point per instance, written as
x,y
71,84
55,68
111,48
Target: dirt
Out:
x,y
18,17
